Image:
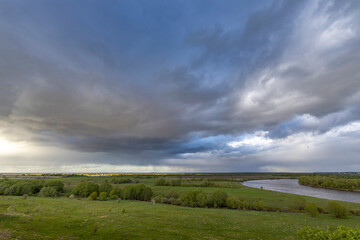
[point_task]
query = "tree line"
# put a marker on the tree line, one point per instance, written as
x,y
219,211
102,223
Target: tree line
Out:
x,y
333,182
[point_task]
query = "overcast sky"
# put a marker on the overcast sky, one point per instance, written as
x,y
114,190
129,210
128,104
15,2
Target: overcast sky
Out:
x,y
179,86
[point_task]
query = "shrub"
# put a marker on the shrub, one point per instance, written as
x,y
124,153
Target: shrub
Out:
x,y
233,202
48,192
218,199
175,182
337,210
25,196
137,192
173,201
160,182
259,206
299,203
115,193
58,185
93,196
20,187
84,189
103,196
312,210
355,212
172,194
164,200
121,180
156,199
105,187
206,183
194,198
340,233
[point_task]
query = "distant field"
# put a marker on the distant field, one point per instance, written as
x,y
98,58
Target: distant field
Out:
x,y
62,218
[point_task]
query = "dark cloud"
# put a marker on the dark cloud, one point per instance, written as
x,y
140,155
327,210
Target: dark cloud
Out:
x,y
172,83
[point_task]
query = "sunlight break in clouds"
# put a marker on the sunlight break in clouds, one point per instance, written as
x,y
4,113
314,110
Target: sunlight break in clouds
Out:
x,y
258,139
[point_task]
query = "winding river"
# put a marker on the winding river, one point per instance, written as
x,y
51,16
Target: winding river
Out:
x,y
292,186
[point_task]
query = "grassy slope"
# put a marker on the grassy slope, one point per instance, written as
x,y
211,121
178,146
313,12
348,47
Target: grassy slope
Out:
x,y
61,218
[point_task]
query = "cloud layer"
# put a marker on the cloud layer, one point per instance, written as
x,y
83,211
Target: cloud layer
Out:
x,y
180,86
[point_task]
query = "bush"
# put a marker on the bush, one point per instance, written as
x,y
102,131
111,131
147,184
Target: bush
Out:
x,y
337,210
84,189
48,192
156,199
206,183
105,187
58,185
233,202
115,193
355,212
93,196
164,200
175,182
193,199
218,199
172,194
312,210
103,196
173,201
20,187
340,233
259,206
121,180
160,182
299,203
137,192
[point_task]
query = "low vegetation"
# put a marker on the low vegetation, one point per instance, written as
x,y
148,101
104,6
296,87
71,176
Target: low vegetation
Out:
x,y
338,182
116,195
340,233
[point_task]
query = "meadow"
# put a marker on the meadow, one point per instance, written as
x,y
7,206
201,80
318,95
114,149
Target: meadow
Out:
x,y
72,217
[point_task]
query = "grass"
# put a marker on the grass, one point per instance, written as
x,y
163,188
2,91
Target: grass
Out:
x,y
65,218
62,218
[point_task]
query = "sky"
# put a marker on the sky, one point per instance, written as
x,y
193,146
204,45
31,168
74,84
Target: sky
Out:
x,y
179,86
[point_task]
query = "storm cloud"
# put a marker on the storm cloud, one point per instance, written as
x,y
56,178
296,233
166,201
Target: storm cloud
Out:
x,y
180,86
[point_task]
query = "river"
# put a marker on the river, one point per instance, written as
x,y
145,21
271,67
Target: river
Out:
x,y
292,186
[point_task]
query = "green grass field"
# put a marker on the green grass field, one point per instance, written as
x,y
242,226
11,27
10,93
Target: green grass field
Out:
x,y
62,218
66,218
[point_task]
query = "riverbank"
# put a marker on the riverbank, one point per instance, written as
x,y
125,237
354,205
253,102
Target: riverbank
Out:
x,y
292,186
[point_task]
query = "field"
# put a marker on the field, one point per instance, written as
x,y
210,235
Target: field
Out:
x,y
78,218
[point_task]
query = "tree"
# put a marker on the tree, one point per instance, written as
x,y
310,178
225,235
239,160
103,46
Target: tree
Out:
x,y
160,182
218,199
48,192
337,210
105,187
233,202
58,185
84,189
93,196
312,210
103,196
193,199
